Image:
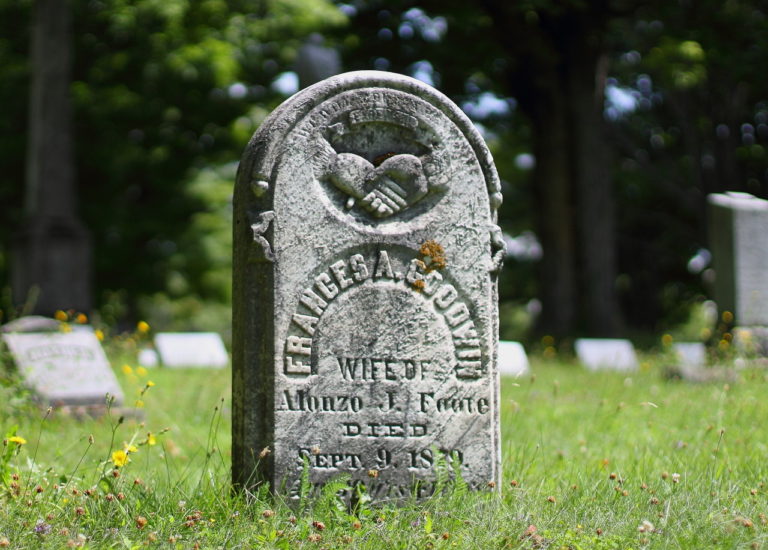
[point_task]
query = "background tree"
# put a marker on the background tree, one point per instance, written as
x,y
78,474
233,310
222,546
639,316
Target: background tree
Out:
x,y
52,256
635,107
615,99
161,90
551,57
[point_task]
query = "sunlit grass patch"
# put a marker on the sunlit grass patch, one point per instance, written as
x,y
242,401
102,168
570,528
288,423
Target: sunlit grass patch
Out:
x,y
590,460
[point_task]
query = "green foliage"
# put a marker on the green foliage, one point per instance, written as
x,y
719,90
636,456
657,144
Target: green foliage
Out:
x,y
197,290
164,93
690,69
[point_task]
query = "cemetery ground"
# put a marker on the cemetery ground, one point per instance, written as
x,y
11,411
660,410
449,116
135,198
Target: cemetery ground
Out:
x,y
590,460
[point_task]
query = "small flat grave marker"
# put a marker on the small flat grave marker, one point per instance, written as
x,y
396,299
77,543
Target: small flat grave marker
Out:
x,y
191,349
148,358
692,354
606,354
365,321
32,323
513,359
64,368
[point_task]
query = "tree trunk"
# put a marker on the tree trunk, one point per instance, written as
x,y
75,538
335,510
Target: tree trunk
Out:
x,y
51,264
558,77
593,183
555,215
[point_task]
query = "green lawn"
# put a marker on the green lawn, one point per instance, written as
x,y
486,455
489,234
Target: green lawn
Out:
x,y
591,460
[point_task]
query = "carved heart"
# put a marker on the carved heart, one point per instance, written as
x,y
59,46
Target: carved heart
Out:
x,y
387,189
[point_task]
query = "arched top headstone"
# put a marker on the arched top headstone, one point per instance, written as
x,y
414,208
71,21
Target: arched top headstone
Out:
x,y
365,320
368,114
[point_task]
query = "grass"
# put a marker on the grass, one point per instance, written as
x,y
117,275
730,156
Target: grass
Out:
x,y
591,460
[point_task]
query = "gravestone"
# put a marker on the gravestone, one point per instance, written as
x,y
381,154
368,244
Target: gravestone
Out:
x,y
191,349
64,368
147,357
513,359
365,320
32,323
692,354
606,354
738,230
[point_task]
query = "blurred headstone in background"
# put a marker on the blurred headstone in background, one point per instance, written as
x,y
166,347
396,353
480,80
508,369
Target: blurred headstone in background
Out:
x,y
32,323
739,240
513,359
62,368
52,250
148,358
191,349
606,354
692,354
316,62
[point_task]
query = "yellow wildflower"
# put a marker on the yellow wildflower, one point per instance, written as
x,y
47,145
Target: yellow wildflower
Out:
x,y
139,404
100,335
18,440
60,315
141,371
142,327
120,458
150,383
151,439
130,448
81,318
127,369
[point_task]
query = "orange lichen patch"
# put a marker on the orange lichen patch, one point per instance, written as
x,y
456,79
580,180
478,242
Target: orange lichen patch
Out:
x,y
433,254
381,158
419,284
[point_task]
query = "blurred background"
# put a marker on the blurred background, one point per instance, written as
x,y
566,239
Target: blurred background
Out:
x,y
610,121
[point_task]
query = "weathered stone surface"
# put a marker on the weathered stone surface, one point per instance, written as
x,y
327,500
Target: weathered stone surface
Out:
x,y
365,317
64,368
513,359
738,235
606,354
191,349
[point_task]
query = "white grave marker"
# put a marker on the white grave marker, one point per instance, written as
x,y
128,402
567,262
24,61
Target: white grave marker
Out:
x,y
191,349
64,368
606,354
693,354
513,359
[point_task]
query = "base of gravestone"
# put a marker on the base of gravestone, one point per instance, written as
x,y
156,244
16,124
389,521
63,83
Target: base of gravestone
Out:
x,y
700,374
51,265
